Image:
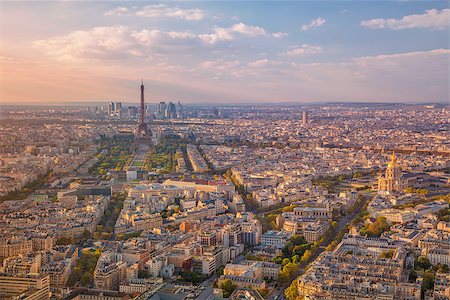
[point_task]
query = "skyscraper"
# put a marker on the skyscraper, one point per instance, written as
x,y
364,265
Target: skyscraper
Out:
x,y
114,109
180,110
148,111
305,118
162,109
111,108
171,110
143,133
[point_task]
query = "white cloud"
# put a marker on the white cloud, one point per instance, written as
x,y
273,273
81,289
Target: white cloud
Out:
x,y
263,63
414,76
162,10
303,50
279,35
237,69
400,56
226,34
219,67
219,64
247,29
314,24
113,43
432,19
116,42
410,76
118,11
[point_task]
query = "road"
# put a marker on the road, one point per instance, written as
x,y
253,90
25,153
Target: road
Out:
x,y
346,220
277,294
208,291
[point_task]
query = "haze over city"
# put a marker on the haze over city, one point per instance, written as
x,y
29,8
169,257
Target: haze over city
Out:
x,y
224,150
225,52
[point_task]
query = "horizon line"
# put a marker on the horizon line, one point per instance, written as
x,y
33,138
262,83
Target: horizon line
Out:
x,y
324,102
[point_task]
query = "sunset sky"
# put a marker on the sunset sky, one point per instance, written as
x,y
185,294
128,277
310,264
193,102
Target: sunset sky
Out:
x,y
224,52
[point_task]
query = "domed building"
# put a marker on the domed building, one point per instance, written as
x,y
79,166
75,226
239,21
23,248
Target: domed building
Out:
x,y
391,182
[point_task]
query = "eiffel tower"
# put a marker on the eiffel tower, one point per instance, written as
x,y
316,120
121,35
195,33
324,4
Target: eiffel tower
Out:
x,y
143,133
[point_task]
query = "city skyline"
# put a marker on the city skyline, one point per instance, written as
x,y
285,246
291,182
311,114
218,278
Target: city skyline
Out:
x,y
208,52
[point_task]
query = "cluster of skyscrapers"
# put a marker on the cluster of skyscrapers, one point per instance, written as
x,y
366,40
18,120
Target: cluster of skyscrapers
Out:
x,y
114,109
163,111
170,110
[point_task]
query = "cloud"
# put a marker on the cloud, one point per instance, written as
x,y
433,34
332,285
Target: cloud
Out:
x,y
419,76
431,19
115,42
123,42
160,11
118,11
313,24
410,76
247,29
104,42
233,69
229,33
263,63
401,56
218,68
279,35
303,50
221,64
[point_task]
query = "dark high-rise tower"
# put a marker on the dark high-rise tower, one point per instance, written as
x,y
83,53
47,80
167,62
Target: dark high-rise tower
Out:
x,y
143,133
305,118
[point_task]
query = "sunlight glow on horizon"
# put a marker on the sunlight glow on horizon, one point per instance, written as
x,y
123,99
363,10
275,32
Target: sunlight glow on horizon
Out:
x,y
221,53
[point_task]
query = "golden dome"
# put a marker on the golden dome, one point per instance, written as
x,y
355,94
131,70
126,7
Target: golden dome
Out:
x,y
391,164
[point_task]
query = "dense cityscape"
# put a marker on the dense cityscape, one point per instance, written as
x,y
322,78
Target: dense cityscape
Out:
x,y
225,150
325,201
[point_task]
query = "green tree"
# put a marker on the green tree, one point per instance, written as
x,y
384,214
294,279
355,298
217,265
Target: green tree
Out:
x,y
193,277
387,254
143,274
220,271
441,268
357,175
289,208
298,240
228,288
291,292
287,272
86,278
376,228
306,256
412,276
331,246
423,262
285,262
428,281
